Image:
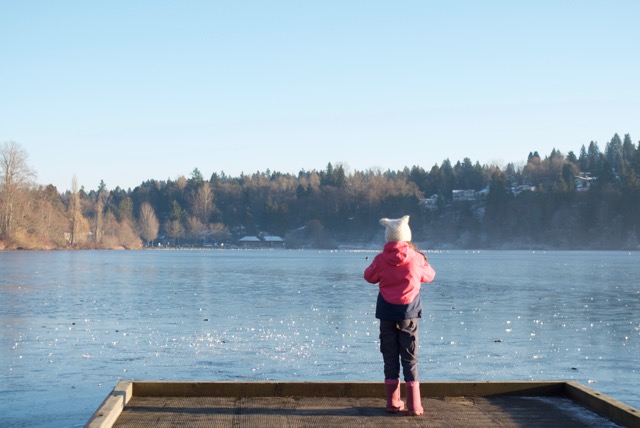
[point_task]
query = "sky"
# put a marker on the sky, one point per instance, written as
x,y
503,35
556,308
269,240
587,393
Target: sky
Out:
x,y
126,91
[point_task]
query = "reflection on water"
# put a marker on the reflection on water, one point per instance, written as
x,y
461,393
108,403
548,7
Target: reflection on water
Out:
x,y
74,323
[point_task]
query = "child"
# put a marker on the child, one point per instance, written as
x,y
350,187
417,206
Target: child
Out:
x,y
399,270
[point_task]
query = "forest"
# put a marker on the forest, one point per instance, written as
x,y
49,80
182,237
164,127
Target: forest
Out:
x,y
589,200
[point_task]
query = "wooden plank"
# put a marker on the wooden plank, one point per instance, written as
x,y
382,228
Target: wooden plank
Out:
x,y
339,389
109,411
608,407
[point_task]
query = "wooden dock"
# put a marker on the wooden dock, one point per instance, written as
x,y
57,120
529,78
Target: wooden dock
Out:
x,y
359,404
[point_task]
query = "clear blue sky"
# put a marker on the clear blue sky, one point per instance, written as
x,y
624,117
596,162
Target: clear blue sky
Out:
x,y
126,91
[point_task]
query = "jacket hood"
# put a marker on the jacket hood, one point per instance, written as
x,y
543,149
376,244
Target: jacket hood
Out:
x,y
397,253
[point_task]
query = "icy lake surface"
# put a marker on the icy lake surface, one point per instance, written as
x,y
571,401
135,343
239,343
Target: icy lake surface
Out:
x,y
72,324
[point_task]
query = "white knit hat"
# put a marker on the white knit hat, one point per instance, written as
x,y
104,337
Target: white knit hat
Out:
x,y
397,230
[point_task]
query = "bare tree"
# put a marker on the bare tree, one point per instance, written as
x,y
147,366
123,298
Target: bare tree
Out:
x,y
195,227
174,230
127,238
103,196
79,224
15,178
48,215
219,232
202,202
118,234
110,228
148,223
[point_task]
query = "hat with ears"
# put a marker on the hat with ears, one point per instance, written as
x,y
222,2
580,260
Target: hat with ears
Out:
x,y
396,230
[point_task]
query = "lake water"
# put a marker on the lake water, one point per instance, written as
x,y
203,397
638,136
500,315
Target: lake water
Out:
x,y
74,323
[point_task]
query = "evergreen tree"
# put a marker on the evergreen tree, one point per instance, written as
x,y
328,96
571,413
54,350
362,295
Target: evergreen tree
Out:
x,y
635,163
595,159
628,149
568,174
533,157
125,210
339,177
497,207
583,160
326,177
613,155
196,179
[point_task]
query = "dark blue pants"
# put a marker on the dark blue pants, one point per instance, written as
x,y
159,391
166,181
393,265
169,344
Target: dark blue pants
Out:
x,y
399,346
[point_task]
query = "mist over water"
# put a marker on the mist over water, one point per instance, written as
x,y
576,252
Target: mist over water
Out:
x,y
72,324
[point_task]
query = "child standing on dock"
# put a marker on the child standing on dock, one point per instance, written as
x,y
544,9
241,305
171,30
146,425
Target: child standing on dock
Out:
x,y
399,270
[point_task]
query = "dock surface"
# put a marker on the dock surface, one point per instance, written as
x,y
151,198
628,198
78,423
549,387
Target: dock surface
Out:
x,y
454,404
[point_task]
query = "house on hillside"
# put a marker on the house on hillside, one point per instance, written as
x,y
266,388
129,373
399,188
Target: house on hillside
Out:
x,y
460,195
516,190
431,203
583,182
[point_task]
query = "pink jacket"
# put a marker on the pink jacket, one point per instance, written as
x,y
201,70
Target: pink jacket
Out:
x,y
399,269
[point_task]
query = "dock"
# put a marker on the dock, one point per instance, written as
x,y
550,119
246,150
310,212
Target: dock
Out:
x,y
358,404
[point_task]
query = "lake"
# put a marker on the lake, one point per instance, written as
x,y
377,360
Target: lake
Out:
x,y
74,323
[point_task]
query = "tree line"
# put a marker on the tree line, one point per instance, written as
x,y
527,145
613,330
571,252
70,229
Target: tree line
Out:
x,y
588,200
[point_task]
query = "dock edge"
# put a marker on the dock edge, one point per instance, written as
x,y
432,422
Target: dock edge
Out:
x,y
111,408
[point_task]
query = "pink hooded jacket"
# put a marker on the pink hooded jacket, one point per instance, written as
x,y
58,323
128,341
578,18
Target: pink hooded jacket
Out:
x,y
399,270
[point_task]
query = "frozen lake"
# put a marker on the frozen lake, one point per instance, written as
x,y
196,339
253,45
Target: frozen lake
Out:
x,y
74,323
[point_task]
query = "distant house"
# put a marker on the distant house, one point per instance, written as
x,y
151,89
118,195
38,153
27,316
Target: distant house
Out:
x,y
250,241
482,194
267,241
273,241
583,182
431,203
516,190
460,195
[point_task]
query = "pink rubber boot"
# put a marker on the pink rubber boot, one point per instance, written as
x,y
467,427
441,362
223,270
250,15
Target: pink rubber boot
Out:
x,y
414,401
394,403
